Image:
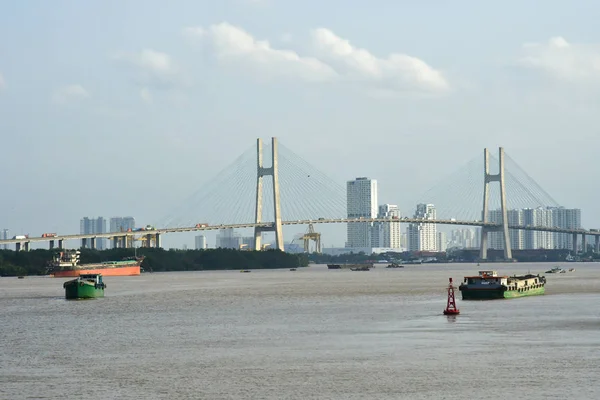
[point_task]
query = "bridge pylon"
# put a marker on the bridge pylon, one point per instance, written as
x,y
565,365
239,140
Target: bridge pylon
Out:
x,y
272,171
488,178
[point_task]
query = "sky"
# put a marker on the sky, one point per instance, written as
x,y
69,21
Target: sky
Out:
x,y
126,107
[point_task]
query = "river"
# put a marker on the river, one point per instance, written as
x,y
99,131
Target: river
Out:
x,y
310,334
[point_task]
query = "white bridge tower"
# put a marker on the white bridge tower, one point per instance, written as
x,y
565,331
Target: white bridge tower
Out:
x,y
488,178
272,171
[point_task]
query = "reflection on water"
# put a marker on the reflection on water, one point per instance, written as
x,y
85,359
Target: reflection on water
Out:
x,y
312,333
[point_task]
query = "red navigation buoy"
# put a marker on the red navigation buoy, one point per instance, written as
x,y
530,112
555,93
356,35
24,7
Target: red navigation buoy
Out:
x,y
451,305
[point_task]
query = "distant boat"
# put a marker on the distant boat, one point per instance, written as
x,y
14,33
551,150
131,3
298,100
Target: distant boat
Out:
x,y
292,269
20,277
554,270
360,269
245,270
334,266
394,265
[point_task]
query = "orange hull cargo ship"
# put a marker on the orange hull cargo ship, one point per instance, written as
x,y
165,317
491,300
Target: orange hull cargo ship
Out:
x,y
66,264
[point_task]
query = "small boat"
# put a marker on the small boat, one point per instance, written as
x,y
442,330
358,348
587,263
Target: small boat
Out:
x,y
334,266
292,269
554,270
563,271
360,269
571,269
20,277
86,286
394,265
245,270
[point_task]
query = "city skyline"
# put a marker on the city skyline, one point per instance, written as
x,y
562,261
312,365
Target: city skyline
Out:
x,y
205,77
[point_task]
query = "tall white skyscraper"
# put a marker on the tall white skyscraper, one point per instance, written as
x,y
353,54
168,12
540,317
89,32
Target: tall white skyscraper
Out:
x,y
200,242
387,234
361,198
423,237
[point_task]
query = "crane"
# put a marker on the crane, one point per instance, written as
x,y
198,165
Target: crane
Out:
x,y
314,236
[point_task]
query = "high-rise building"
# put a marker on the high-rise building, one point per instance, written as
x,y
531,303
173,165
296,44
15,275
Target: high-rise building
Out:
x,y
122,224
423,237
403,241
4,236
361,198
538,217
228,239
567,218
387,234
559,217
517,237
464,239
201,242
88,226
442,241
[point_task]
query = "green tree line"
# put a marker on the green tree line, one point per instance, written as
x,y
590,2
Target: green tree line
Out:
x,y
35,262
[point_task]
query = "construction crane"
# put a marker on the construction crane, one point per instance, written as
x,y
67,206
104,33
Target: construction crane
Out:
x,y
144,240
314,236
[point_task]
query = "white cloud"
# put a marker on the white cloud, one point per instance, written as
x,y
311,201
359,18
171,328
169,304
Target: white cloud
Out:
x,y
397,71
69,94
233,44
337,60
153,68
561,59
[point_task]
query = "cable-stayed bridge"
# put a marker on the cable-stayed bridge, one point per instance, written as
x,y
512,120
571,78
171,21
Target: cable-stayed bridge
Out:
x,y
269,186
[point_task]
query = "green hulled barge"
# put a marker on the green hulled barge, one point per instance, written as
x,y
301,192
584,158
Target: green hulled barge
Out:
x,y
489,286
87,286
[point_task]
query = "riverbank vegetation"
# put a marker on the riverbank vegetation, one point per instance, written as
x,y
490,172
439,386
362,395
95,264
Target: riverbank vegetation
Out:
x,y
35,262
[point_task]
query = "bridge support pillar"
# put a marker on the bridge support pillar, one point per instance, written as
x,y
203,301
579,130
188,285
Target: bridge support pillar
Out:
x,y
51,244
575,244
597,244
583,243
84,243
93,243
115,242
17,246
499,177
148,241
273,171
157,241
26,246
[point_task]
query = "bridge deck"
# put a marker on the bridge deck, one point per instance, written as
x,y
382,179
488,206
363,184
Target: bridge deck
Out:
x,y
299,222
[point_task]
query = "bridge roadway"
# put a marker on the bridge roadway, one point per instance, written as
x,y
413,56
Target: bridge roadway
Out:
x,y
299,222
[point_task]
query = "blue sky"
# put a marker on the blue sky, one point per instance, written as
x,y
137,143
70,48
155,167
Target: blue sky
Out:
x,y
126,107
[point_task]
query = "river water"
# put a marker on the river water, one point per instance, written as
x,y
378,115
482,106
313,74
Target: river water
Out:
x,y
309,334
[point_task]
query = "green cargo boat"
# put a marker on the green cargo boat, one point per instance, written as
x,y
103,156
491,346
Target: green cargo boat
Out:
x,y
87,286
489,286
